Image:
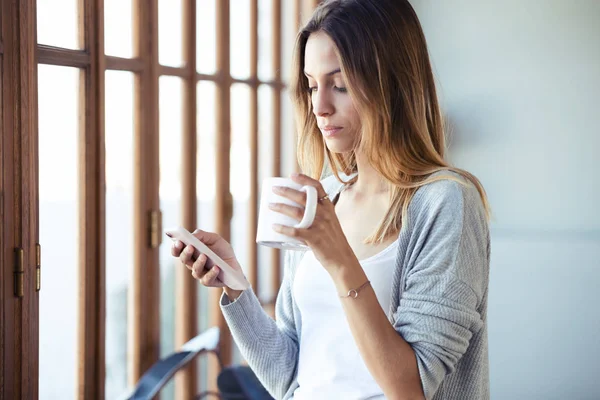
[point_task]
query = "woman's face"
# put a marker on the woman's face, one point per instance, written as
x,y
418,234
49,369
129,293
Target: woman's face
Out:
x,y
336,115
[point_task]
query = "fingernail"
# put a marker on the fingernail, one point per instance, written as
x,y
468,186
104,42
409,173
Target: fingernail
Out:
x,y
189,250
272,206
276,227
295,175
277,189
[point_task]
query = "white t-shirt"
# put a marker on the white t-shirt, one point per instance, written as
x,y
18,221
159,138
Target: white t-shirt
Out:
x,y
330,365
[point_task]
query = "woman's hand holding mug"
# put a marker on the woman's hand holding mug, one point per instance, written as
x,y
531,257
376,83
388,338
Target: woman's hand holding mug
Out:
x,y
324,236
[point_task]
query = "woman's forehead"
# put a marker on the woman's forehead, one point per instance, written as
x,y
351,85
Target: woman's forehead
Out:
x,y
320,56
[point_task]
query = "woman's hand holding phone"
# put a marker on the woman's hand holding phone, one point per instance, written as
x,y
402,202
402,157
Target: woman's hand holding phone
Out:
x,y
203,268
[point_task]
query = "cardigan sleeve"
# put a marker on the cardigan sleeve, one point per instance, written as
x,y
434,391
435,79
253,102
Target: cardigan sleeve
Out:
x,y
270,348
447,266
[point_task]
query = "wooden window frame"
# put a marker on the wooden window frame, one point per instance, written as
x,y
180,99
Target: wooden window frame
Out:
x,y
20,55
18,193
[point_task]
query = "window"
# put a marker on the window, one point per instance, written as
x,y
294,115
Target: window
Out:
x,y
58,136
126,127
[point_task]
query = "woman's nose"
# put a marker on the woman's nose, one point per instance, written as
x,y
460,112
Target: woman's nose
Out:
x,y
322,104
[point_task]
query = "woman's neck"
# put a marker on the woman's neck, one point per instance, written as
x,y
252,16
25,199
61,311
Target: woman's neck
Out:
x,y
369,182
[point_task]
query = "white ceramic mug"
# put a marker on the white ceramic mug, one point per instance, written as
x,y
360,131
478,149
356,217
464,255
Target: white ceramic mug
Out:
x,y
265,234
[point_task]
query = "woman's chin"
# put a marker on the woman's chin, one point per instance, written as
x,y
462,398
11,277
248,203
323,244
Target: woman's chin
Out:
x,y
339,148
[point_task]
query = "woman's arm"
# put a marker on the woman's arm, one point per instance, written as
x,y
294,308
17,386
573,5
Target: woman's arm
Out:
x,y
447,272
269,347
447,266
389,358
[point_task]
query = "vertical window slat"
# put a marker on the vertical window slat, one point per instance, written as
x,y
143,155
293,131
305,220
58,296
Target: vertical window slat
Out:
x,y
144,340
253,203
92,215
186,385
276,167
223,200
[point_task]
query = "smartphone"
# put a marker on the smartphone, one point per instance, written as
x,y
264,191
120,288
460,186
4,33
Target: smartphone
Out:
x,y
228,275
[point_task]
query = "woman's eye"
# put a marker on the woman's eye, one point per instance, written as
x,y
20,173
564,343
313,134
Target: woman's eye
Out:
x,y
340,89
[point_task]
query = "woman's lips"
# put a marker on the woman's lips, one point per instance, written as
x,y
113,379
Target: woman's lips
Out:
x,y
330,131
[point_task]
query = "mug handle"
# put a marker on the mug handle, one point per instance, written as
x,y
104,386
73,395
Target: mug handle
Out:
x,y
311,208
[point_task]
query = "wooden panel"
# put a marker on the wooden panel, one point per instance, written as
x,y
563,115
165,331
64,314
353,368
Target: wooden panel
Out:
x,y
10,201
63,57
276,168
173,71
29,131
252,81
255,82
186,287
7,321
308,6
297,15
19,328
208,77
253,203
124,64
298,24
144,343
5,267
223,200
1,51
29,195
92,209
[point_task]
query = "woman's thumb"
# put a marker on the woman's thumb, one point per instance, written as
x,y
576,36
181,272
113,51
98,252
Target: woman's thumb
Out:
x,y
208,238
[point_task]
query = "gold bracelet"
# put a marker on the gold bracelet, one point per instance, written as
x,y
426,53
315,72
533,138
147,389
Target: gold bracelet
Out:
x,y
354,292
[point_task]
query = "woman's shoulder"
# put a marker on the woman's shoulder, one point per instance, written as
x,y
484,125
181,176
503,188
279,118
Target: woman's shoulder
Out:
x,y
443,183
447,191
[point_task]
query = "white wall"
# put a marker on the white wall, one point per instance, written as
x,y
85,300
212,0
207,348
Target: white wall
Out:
x,y
520,83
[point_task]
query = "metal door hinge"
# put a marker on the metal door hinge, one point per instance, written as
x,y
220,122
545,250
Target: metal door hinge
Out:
x,y
228,207
38,267
154,228
19,271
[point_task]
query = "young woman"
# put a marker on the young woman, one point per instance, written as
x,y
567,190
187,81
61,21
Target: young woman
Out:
x,y
390,301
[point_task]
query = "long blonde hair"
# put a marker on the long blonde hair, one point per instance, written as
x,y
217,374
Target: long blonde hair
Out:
x,y
383,55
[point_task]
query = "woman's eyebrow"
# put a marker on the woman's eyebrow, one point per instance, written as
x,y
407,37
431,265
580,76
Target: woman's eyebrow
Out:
x,y
335,71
